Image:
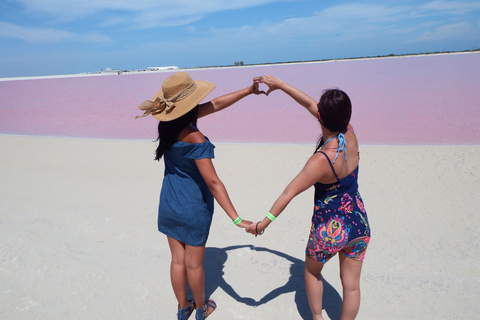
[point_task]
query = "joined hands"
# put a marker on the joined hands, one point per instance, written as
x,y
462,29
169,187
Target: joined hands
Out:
x,y
255,228
273,83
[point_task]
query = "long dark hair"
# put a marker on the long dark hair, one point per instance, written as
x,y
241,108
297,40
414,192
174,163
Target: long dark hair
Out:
x,y
335,110
168,131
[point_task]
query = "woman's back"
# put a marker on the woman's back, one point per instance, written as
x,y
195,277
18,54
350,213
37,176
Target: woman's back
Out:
x,y
341,167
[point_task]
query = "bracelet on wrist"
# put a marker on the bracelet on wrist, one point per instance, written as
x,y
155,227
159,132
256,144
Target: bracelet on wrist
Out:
x,y
271,217
256,229
237,221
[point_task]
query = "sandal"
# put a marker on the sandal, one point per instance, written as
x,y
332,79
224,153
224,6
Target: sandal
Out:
x,y
185,313
202,312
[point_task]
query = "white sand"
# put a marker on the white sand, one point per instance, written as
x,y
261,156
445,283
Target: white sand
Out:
x,y
79,238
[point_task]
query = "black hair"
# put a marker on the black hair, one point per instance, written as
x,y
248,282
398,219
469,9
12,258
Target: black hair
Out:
x,y
335,109
168,131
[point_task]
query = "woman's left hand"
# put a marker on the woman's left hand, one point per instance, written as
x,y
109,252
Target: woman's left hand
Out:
x,y
255,88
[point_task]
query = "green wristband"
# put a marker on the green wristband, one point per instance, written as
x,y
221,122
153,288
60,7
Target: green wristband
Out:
x,y
271,217
237,221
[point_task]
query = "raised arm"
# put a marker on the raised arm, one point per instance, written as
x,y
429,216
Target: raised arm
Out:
x,y
227,100
300,97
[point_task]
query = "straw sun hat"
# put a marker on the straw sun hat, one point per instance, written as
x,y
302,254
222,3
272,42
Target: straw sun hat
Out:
x,y
179,95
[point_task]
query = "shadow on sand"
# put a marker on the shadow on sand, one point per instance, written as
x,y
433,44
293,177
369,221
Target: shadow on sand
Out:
x,y
214,262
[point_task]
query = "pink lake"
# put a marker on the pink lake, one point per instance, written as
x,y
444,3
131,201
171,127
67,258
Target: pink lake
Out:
x,y
414,100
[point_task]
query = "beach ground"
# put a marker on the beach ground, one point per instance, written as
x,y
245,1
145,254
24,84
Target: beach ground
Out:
x,y
80,241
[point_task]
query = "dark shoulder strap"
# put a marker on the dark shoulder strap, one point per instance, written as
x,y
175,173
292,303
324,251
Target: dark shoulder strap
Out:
x,y
331,165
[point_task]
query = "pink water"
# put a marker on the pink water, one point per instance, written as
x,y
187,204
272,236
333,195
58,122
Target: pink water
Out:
x,y
419,100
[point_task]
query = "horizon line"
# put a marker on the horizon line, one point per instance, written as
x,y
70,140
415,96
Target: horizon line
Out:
x,y
100,73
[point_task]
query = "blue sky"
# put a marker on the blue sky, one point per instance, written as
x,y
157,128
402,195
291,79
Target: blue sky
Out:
x,y
49,37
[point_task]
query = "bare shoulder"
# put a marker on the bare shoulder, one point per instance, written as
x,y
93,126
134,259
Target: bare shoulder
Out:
x,y
191,135
318,165
351,135
318,159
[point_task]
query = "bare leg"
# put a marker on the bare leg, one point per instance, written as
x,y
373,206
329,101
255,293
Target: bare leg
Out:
x,y
350,275
195,275
314,286
178,273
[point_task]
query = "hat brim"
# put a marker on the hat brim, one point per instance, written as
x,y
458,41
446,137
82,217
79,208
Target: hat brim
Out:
x,y
187,104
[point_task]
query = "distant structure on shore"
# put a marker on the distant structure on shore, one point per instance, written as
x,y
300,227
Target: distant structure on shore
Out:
x,y
118,71
162,68
110,70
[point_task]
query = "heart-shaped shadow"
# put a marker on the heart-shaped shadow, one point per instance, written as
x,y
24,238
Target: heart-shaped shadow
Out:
x,y
216,259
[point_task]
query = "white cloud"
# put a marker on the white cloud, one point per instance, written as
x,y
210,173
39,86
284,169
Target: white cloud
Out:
x,y
453,7
348,26
326,28
145,13
329,27
351,21
340,24
451,32
48,35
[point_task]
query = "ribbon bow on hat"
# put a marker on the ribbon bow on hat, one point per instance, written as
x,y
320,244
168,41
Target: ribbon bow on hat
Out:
x,y
161,103
154,107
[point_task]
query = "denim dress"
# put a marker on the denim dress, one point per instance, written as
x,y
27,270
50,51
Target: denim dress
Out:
x,y
186,204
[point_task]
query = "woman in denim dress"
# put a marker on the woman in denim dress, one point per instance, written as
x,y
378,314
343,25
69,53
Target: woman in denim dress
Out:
x,y
190,182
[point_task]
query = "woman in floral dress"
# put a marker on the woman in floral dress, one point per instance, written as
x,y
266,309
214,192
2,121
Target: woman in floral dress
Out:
x,y
339,222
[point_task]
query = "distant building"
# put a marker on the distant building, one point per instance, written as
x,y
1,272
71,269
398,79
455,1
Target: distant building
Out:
x,y
110,70
161,68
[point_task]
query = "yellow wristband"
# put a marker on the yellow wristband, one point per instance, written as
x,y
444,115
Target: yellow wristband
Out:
x,y
271,217
237,221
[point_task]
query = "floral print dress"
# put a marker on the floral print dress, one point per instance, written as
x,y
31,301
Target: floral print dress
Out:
x,y
339,222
